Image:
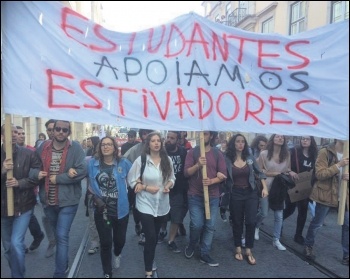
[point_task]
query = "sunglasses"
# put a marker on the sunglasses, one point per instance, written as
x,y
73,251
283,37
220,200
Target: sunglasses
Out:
x,y
64,130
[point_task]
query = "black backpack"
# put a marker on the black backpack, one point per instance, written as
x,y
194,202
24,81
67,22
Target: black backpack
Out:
x,y
143,164
313,175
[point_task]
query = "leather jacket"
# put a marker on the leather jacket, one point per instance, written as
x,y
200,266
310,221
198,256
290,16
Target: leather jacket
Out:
x,y
25,161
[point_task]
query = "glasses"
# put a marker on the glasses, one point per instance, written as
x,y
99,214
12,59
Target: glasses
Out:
x,y
64,130
49,129
106,144
305,138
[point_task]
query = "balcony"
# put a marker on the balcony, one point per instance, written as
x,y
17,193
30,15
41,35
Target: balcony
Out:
x,y
236,17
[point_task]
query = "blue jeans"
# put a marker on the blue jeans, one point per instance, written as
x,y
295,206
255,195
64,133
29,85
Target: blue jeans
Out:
x,y
321,211
13,231
262,214
199,226
61,219
263,211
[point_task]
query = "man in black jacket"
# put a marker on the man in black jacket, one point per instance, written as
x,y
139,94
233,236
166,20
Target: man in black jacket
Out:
x,y
13,228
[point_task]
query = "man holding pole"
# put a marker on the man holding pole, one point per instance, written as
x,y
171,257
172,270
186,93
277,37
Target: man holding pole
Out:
x,y
13,228
202,228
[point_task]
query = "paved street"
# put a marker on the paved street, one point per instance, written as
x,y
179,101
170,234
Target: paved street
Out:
x,y
271,263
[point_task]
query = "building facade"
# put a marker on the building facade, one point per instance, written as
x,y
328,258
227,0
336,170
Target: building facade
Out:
x,y
282,17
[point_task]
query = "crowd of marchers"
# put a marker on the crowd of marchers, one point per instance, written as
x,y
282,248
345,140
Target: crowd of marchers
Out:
x,y
161,180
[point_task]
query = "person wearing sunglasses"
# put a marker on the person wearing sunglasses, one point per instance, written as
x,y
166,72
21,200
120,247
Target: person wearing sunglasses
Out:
x,y
59,192
49,128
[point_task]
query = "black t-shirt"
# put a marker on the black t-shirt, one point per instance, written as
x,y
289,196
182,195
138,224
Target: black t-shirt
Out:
x,y
108,186
297,157
126,146
178,158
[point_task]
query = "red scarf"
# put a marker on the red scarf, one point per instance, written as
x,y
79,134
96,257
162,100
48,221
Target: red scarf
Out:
x,y
46,157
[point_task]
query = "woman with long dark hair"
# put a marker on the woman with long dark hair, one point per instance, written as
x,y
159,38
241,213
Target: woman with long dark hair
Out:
x,y
241,166
152,193
273,161
302,159
107,174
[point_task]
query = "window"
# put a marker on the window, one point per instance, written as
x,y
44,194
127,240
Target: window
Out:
x,y
297,17
340,11
267,26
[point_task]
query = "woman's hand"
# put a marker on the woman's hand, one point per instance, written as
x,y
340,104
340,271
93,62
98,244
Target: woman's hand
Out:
x,y
72,173
221,176
152,189
264,192
166,189
294,175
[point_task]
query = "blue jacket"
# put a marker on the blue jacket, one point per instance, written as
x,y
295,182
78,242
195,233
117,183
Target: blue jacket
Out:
x,y
120,171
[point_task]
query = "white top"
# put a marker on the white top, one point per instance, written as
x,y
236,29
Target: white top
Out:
x,y
148,203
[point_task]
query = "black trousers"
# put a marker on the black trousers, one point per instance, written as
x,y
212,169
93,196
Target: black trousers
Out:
x,y
34,227
113,234
302,213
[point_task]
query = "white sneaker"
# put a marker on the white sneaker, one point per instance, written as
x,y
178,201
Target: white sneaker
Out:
x,y
278,245
117,261
256,235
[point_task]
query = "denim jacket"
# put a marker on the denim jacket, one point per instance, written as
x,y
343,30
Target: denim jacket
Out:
x,y
120,171
253,167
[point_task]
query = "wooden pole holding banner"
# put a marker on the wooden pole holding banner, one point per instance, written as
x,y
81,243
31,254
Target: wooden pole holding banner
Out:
x,y
8,150
343,187
204,174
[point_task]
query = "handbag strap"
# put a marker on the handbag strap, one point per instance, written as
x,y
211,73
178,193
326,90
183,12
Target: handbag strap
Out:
x,y
296,159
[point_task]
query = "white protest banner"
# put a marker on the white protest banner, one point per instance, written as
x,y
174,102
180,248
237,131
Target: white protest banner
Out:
x,y
190,74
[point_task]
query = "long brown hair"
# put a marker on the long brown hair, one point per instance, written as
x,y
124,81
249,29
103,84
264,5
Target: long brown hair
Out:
x,y
164,159
284,153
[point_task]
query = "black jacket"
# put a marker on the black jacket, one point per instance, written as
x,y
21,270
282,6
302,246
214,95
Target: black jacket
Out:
x,y
279,191
24,196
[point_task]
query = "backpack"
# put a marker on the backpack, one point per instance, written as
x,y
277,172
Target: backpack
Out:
x,y
143,164
313,175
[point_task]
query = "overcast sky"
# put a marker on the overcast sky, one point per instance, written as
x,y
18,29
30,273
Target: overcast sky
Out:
x,y
130,16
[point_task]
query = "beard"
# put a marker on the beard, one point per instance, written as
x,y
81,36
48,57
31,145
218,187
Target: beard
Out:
x,y
170,147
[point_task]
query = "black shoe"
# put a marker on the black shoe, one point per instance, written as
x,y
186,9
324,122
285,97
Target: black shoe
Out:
x,y
223,216
208,260
308,253
142,239
36,242
299,239
173,247
138,229
161,236
189,251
